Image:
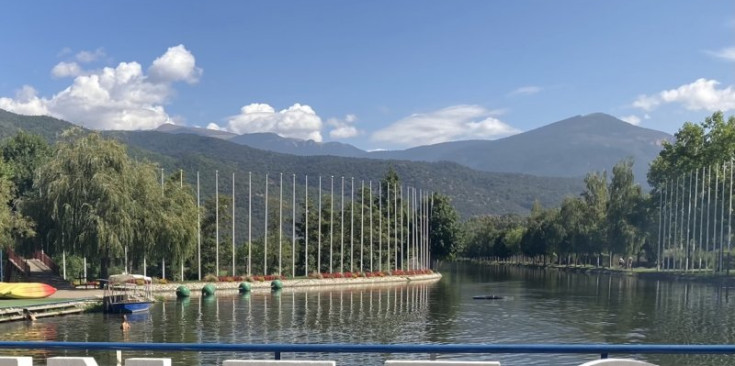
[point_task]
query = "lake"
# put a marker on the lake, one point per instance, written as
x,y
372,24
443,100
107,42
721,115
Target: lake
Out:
x,y
539,306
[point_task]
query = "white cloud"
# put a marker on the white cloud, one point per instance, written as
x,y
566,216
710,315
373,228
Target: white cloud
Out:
x,y
526,90
727,53
702,94
458,122
90,56
120,97
632,119
26,102
343,128
177,64
297,121
66,69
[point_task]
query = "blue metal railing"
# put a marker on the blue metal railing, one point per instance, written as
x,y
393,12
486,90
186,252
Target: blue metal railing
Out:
x,y
277,348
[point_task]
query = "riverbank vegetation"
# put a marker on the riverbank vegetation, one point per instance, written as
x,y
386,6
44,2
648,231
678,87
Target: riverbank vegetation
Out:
x,y
680,224
85,202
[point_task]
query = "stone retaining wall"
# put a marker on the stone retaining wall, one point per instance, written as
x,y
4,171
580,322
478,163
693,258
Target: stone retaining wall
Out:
x,y
169,289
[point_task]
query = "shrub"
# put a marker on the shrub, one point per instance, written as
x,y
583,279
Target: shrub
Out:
x,y
210,278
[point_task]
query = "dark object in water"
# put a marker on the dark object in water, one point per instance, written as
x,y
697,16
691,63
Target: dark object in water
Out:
x,y
488,297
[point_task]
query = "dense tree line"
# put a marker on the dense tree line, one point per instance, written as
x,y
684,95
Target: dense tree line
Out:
x,y
85,199
615,217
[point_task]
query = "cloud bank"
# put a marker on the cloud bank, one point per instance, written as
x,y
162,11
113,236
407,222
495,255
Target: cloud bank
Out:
x,y
701,94
458,122
123,97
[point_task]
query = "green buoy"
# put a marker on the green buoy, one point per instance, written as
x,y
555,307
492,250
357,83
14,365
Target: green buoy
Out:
x,y
208,290
244,287
276,285
183,291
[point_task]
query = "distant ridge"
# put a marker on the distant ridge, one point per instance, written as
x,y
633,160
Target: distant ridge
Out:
x,y
568,148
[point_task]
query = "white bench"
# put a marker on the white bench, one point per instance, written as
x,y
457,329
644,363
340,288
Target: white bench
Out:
x,y
16,361
277,363
148,362
71,361
440,363
617,362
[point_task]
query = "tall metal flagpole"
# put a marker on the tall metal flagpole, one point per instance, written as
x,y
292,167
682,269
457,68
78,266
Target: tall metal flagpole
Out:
x,y
689,216
293,229
199,231
709,208
701,220
331,226
216,222
380,227
676,222
233,224
352,224
714,222
694,224
250,223
306,226
342,231
163,258
660,223
319,236
181,186
280,225
408,227
265,225
729,216
722,220
395,225
388,222
403,242
370,184
362,223
670,236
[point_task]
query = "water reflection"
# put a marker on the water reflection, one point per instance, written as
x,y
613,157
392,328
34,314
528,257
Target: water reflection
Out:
x,y
538,307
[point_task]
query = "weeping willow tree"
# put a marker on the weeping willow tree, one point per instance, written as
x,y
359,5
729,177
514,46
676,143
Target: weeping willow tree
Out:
x,y
99,203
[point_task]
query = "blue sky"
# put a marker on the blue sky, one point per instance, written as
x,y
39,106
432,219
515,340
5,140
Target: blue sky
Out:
x,y
376,74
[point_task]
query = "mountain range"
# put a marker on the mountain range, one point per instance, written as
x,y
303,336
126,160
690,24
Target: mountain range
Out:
x,y
473,192
568,148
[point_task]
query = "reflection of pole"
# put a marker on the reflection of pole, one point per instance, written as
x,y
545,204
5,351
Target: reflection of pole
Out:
x,y
199,232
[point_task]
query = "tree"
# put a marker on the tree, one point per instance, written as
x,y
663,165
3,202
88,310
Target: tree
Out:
x,y
24,153
443,227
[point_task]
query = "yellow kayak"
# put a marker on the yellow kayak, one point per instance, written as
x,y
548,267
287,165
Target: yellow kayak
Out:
x,y
25,290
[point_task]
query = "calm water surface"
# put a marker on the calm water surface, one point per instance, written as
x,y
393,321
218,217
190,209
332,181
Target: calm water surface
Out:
x,y
539,307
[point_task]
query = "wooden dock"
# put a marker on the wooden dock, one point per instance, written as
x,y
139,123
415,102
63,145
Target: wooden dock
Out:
x,y
46,310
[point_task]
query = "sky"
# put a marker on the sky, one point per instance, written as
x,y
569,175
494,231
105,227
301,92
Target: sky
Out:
x,y
380,74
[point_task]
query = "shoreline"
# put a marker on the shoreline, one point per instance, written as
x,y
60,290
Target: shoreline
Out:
x,y
642,273
168,290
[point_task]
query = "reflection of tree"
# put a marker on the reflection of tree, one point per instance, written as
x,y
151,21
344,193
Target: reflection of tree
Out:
x,y
443,303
